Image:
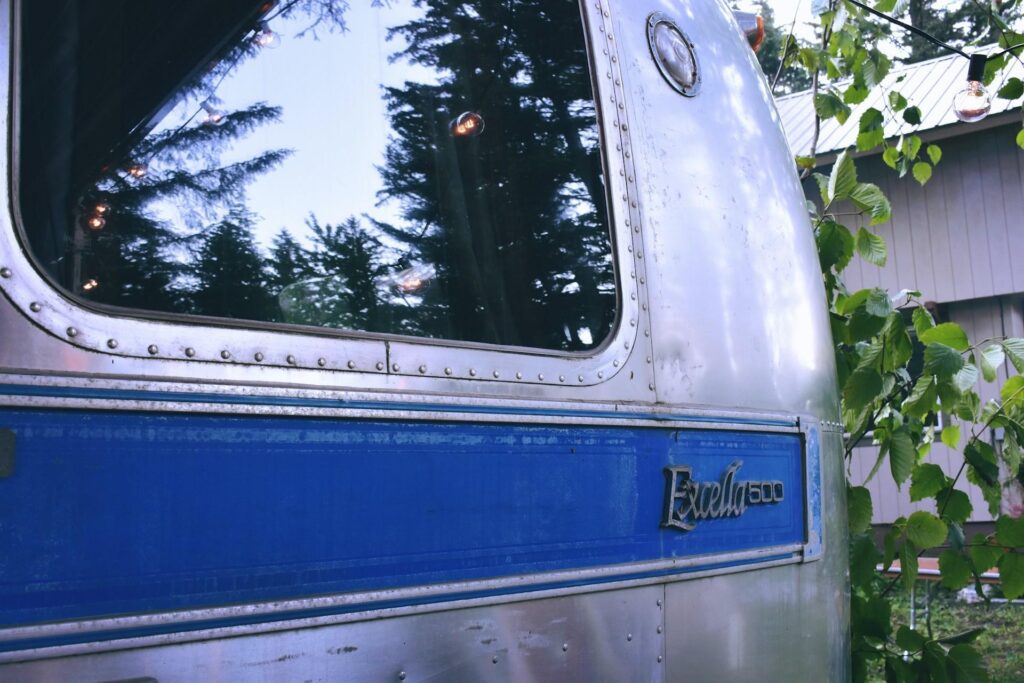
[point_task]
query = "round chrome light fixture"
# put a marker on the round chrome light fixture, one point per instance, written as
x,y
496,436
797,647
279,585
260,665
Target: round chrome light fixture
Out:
x,y
674,54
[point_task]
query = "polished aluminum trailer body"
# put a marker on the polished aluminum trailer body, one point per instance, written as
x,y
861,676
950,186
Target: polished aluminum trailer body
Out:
x,y
721,328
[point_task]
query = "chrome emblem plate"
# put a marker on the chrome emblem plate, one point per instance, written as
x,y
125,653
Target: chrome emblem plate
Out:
x,y
688,502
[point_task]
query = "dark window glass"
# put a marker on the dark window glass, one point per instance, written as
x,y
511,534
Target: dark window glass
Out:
x,y
420,168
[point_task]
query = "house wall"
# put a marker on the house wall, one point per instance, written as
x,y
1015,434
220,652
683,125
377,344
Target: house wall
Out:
x,y
959,240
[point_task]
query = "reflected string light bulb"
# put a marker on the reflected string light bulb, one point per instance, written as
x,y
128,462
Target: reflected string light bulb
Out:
x,y
265,37
90,285
137,170
95,222
212,115
101,208
413,279
467,125
974,102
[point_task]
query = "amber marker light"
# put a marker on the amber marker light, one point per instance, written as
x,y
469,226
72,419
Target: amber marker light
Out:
x,y
752,26
467,125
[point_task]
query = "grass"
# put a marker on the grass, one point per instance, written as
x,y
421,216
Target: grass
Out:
x,y
1002,643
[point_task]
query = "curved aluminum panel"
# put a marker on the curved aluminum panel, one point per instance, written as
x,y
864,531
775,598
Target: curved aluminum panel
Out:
x,y
737,301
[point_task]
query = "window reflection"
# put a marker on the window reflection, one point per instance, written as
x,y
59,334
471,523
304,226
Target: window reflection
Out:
x,y
420,168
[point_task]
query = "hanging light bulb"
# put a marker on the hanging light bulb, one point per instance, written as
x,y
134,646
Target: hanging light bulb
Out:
x,y
137,170
101,208
90,285
973,102
213,116
265,37
467,125
95,222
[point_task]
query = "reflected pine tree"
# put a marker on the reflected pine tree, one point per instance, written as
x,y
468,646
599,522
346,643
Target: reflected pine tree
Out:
x,y
513,219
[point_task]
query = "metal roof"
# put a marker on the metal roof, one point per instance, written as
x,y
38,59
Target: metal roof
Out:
x,y
929,85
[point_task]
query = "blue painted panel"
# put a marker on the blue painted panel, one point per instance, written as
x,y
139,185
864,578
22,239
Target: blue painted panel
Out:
x,y
111,513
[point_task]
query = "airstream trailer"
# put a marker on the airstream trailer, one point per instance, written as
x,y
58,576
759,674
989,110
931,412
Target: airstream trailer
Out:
x,y
429,340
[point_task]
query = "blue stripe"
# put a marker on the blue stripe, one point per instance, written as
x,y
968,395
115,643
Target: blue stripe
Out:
x,y
285,401
130,512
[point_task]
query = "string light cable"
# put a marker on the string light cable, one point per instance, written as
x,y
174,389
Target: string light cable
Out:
x,y
973,102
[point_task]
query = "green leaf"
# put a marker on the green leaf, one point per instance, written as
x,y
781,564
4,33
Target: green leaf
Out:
x,y
991,358
877,303
891,156
1011,575
862,387
805,162
870,139
912,115
871,247
1012,89
955,569
934,153
909,640
983,555
925,529
828,104
966,665
1020,138
1010,531
922,398
875,68
968,636
864,557
1014,347
902,455
950,334
855,94
954,505
869,197
922,320
926,481
1012,392
965,379
843,179
835,245
889,546
942,360
922,172
896,100
951,436
908,565
982,460
859,510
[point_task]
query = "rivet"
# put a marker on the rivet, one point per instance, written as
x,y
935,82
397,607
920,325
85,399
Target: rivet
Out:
x,y
639,254
622,106
153,349
600,374
291,360
659,659
351,365
5,272
651,386
540,376
225,354
636,229
496,374
626,344
401,675
632,275
628,155
111,343
618,82
561,378
447,371
641,280
602,29
380,366
72,332
629,248
258,356
565,647
632,323
647,333
519,375
606,13
659,629
643,306
615,363
659,603
35,307
494,659
610,36
624,127
321,362
632,296
633,204
423,369
648,359
472,372
395,367
629,636
630,179
625,197
190,352
580,378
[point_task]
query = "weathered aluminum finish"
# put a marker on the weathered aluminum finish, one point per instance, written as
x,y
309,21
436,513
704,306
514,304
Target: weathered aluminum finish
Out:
x,y
610,636
737,301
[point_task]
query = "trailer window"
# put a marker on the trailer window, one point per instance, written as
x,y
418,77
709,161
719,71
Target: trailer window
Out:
x,y
417,168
